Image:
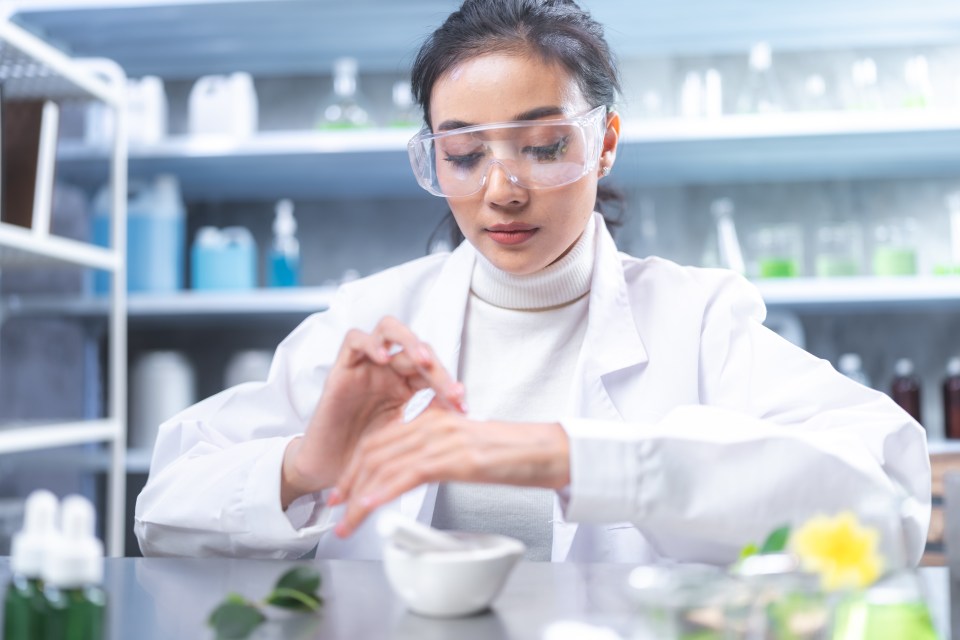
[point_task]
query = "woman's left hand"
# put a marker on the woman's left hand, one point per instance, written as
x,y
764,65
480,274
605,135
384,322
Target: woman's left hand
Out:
x,y
441,445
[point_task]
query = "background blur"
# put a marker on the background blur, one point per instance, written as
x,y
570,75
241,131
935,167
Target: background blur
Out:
x,y
825,134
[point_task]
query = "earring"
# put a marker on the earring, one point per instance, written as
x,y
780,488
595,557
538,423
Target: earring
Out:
x,y
605,171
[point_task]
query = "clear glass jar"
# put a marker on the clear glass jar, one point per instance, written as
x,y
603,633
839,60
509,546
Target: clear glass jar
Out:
x,y
895,248
776,251
839,250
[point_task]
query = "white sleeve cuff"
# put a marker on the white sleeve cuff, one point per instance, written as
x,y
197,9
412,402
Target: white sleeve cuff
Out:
x,y
606,463
265,521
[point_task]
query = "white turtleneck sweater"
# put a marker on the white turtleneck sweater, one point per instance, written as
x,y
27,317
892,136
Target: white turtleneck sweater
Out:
x,y
521,339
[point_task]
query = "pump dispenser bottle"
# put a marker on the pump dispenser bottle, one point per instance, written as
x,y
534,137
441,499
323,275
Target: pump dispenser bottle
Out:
x,y
905,388
74,602
23,604
951,400
284,264
851,365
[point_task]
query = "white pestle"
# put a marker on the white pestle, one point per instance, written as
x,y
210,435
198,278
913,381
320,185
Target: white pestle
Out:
x,y
413,536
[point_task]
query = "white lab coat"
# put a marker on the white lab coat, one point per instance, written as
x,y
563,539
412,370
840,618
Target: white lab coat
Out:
x,y
693,428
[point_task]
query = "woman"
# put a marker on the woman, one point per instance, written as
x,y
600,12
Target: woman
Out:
x,y
620,409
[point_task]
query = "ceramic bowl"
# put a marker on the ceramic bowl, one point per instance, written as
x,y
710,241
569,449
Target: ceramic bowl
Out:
x,y
446,584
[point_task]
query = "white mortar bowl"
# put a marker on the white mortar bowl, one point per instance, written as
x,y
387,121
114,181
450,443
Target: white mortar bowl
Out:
x,y
446,584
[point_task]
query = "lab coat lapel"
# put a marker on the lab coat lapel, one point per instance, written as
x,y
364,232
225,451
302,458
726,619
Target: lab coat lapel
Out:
x,y
439,320
611,345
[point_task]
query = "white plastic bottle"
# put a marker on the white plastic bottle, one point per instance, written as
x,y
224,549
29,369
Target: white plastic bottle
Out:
x,y
23,603
283,266
74,602
851,366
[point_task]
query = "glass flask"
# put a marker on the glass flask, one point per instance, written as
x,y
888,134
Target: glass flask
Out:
x,y
761,90
345,109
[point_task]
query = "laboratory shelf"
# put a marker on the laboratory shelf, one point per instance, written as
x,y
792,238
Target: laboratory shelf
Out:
x,y
790,147
20,247
854,294
31,70
729,149
865,293
19,437
296,164
99,461
189,38
257,302
189,306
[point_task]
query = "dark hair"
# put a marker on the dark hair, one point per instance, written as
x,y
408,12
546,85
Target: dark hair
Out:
x,y
557,30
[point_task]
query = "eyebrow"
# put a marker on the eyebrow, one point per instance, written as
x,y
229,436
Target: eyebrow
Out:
x,y
533,114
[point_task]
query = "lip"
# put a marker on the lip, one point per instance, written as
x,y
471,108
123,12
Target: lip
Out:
x,y
511,234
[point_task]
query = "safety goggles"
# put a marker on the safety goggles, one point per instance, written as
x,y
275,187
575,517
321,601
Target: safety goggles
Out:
x,y
534,154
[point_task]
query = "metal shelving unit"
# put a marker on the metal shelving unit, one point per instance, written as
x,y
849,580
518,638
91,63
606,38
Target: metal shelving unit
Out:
x,y
31,69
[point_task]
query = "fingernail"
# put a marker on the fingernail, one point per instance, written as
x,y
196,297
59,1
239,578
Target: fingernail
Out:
x,y
425,356
340,530
334,497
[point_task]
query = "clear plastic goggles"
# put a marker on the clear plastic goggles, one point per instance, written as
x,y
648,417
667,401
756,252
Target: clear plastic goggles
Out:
x,y
534,154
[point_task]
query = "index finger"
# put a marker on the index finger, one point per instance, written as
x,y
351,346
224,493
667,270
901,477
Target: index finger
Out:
x,y
398,337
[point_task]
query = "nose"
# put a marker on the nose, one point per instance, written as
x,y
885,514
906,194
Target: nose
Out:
x,y
500,189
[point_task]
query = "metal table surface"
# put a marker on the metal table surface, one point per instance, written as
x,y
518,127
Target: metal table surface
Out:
x,y
171,598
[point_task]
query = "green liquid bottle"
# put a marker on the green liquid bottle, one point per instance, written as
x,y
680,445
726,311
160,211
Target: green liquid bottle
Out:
x,y
23,602
74,604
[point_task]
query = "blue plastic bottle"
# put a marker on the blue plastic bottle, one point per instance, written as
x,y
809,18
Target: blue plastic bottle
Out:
x,y
283,264
155,236
224,259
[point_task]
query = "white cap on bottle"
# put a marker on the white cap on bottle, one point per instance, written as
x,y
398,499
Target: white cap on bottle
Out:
x,y
76,556
953,366
284,225
903,367
33,542
761,56
849,363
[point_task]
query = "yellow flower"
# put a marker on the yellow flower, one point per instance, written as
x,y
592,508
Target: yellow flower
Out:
x,y
840,549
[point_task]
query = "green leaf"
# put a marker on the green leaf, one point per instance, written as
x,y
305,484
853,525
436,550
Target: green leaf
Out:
x,y
293,599
776,541
235,619
303,579
749,550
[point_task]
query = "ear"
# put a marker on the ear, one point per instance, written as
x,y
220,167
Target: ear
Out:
x,y
611,138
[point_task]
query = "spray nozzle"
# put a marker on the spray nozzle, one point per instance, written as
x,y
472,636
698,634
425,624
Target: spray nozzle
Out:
x,y
284,224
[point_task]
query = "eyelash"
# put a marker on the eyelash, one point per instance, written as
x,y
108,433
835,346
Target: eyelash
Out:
x,y
542,153
550,152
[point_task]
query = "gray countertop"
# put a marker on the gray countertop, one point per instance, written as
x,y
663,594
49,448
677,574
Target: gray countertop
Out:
x,y
154,598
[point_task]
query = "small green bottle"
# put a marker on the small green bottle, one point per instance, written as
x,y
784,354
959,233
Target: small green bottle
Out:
x,y
23,602
74,603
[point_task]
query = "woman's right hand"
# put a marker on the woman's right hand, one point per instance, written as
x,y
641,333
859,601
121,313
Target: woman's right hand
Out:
x,y
371,380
